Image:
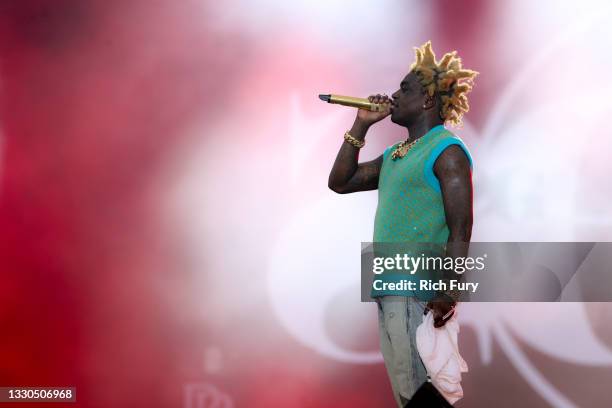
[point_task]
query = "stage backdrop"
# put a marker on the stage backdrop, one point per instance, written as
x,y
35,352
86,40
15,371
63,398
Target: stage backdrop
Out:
x,y
167,235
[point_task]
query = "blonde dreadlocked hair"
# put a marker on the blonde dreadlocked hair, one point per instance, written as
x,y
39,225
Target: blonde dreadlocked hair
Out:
x,y
444,78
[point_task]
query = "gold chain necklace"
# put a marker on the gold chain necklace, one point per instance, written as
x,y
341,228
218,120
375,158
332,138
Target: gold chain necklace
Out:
x,y
402,149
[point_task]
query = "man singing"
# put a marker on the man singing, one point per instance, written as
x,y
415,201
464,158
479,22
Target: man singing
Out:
x,y
424,195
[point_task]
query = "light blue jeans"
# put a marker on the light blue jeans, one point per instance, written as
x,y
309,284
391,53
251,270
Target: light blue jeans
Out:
x,y
398,319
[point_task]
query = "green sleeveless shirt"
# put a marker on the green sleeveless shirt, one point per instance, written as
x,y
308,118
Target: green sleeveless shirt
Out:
x,y
410,206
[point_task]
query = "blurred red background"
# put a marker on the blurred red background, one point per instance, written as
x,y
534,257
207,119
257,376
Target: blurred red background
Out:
x,y
155,153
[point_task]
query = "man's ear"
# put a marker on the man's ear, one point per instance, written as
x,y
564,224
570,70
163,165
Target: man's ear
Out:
x,y
430,101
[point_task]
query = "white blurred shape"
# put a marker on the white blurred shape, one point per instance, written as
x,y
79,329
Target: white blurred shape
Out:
x,y
556,329
311,264
344,26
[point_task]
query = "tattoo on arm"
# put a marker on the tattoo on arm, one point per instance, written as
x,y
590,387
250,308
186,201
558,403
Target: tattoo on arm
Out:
x,y
348,177
366,176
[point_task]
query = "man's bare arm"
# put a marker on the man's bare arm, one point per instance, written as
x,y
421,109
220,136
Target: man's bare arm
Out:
x,y
453,171
349,176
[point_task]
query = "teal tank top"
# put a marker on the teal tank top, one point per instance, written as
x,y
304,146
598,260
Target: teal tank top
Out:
x,y
410,206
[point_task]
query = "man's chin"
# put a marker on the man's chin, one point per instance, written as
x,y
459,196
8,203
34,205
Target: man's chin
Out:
x,y
395,119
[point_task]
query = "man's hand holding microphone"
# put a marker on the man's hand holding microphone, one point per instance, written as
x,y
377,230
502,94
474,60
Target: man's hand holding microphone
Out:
x,y
369,117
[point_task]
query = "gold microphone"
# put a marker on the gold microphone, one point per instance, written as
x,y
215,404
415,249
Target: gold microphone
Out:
x,y
362,103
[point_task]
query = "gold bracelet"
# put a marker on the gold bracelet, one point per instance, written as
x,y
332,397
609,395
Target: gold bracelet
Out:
x,y
357,143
